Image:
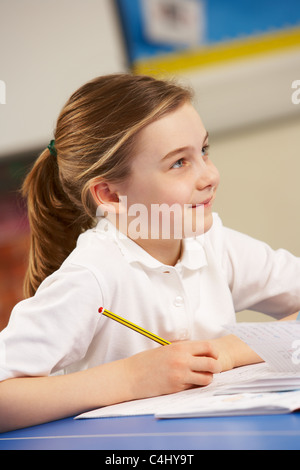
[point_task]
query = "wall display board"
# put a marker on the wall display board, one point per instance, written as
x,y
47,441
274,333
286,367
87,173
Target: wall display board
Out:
x,y
173,35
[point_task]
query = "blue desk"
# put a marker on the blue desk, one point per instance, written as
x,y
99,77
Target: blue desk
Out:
x,y
145,432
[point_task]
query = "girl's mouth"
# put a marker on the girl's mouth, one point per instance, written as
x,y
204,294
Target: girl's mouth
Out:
x,y
206,203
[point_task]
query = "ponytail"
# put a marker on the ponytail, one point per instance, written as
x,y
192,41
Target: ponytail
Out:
x,y
53,221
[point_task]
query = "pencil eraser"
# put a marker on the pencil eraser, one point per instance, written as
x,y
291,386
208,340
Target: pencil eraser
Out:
x,y
100,309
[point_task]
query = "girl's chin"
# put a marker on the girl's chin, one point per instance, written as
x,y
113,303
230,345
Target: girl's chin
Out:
x,y
195,229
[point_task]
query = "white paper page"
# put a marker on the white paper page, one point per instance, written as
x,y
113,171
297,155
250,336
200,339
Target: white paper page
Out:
x,y
178,401
235,405
277,343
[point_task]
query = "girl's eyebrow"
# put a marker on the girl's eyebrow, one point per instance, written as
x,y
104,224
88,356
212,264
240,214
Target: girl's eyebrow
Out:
x,y
182,149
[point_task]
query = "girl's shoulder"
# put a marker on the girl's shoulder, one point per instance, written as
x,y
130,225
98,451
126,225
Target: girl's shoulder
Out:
x,y
96,252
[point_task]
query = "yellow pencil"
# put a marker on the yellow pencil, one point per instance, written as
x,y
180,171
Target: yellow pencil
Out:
x,y
134,327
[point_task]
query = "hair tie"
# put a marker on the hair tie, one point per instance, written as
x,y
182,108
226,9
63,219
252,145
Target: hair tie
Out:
x,y
52,148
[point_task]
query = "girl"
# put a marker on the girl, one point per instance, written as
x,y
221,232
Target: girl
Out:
x,y
131,147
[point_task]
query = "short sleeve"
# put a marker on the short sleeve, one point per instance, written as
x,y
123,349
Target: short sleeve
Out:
x,y
54,328
260,278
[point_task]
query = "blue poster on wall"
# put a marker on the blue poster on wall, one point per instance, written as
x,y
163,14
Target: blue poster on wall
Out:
x,y
165,28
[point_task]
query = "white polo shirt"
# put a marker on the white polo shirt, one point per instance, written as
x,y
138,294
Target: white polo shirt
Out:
x,y
59,330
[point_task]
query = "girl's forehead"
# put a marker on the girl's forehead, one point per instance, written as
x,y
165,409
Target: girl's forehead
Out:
x,y
179,128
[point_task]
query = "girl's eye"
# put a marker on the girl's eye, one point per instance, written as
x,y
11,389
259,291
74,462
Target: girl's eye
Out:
x,y
178,164
205,150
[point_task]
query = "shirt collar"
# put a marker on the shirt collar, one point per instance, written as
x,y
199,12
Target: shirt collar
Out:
x,y
193,253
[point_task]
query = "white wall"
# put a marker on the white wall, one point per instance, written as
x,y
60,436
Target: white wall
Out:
x,y
248,91
48,48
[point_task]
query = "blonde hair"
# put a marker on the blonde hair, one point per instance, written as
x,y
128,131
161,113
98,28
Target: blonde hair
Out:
x,y
94,138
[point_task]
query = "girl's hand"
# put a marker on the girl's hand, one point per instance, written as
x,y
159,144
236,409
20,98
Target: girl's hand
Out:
x,y
172,368
233,352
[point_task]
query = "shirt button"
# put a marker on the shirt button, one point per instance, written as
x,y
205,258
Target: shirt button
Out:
x,y
178,302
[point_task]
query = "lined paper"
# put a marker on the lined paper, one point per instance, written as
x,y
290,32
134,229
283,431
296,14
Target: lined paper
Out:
x,y
277,343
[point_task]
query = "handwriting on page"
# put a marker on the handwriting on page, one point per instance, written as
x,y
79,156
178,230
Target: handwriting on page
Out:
x,y
277,343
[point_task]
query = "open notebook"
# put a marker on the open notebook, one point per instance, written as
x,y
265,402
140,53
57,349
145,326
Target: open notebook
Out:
x,y
219,399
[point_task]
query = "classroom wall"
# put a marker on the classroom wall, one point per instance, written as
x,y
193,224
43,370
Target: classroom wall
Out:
x,y
48,48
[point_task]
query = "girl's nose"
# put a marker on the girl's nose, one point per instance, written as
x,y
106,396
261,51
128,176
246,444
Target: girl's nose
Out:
x,y
208,176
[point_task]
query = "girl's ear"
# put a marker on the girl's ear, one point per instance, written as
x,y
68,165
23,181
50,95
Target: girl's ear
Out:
x,y
105,196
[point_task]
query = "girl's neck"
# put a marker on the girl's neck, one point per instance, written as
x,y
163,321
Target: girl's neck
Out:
x,y
167,252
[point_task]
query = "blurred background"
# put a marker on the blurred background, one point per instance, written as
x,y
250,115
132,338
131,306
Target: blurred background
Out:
x,y
241,58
